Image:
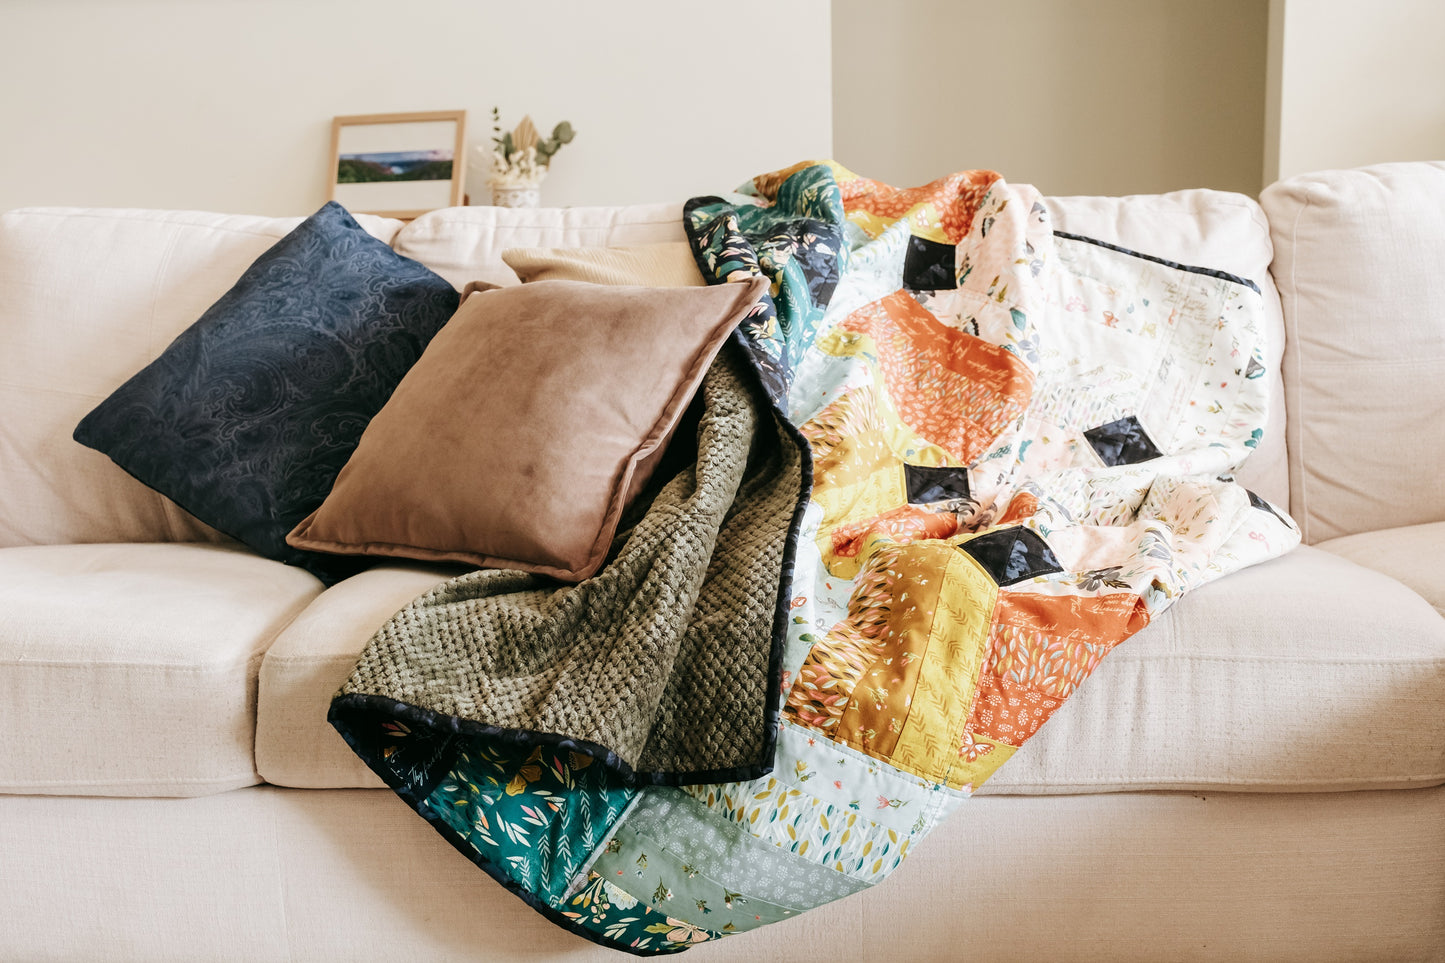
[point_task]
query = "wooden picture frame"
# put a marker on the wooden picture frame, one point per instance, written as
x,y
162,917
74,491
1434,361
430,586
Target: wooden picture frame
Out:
x,y
398,165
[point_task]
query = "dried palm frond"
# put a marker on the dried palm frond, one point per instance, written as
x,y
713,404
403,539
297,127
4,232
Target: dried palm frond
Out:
x,y
525,135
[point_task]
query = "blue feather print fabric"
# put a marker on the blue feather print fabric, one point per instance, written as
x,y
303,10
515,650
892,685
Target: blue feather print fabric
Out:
x,y
248,416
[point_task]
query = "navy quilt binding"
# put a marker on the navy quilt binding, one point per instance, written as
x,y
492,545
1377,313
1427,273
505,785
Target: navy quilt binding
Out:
x,y
1207,272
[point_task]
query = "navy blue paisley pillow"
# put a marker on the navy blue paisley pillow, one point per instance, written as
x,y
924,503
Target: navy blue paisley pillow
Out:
x,y
247,417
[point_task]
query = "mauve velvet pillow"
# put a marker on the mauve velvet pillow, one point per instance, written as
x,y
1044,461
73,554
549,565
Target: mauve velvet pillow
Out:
x,y
248,416
529,423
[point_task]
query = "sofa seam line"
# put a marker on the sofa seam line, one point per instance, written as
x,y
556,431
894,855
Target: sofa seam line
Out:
x,y
57,214
1305,526
1115,659
1425,782
288,660
197,669
7,785
281,902
1381,362
1256,660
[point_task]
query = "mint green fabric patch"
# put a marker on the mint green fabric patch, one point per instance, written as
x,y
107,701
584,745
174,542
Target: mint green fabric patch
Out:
x,y
682,890
738,860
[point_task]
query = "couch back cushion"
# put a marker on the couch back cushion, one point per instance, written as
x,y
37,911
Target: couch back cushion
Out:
x,y
1197,227
465,244
1360,266
88,298
1202,228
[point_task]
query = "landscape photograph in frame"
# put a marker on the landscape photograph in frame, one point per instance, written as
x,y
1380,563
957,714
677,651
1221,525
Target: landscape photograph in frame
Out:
x,y
398,165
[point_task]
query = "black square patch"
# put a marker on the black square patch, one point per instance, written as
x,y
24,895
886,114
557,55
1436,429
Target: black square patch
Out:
x,y
1012,555
928,485
928,265
1261,504
1122,442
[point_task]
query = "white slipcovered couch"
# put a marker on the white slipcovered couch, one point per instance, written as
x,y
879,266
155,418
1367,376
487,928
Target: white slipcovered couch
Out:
x,y
1257,775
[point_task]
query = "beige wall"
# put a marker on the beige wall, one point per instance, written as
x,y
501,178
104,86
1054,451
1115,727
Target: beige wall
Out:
x,y
226,104
1096,97
1356,83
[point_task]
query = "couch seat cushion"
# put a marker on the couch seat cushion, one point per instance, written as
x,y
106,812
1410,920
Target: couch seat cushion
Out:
x,y
1413,554
130,669
308,662
1305,673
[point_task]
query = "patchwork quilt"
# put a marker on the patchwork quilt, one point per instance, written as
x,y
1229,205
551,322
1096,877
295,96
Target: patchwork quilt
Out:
x,y
1022,445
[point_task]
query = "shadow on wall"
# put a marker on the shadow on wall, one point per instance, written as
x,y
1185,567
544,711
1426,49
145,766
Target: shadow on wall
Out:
x,y
1127,97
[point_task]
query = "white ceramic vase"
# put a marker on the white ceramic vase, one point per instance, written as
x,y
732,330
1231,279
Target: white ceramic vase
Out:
x,y
516,196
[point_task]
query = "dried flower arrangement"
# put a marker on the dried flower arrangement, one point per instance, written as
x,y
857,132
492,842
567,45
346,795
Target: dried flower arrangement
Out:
x,y
520,158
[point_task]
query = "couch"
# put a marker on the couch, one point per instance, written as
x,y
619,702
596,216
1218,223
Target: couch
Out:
x,y
1255,776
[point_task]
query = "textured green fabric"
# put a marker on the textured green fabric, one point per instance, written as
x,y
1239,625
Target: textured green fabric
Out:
x,y
665,659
